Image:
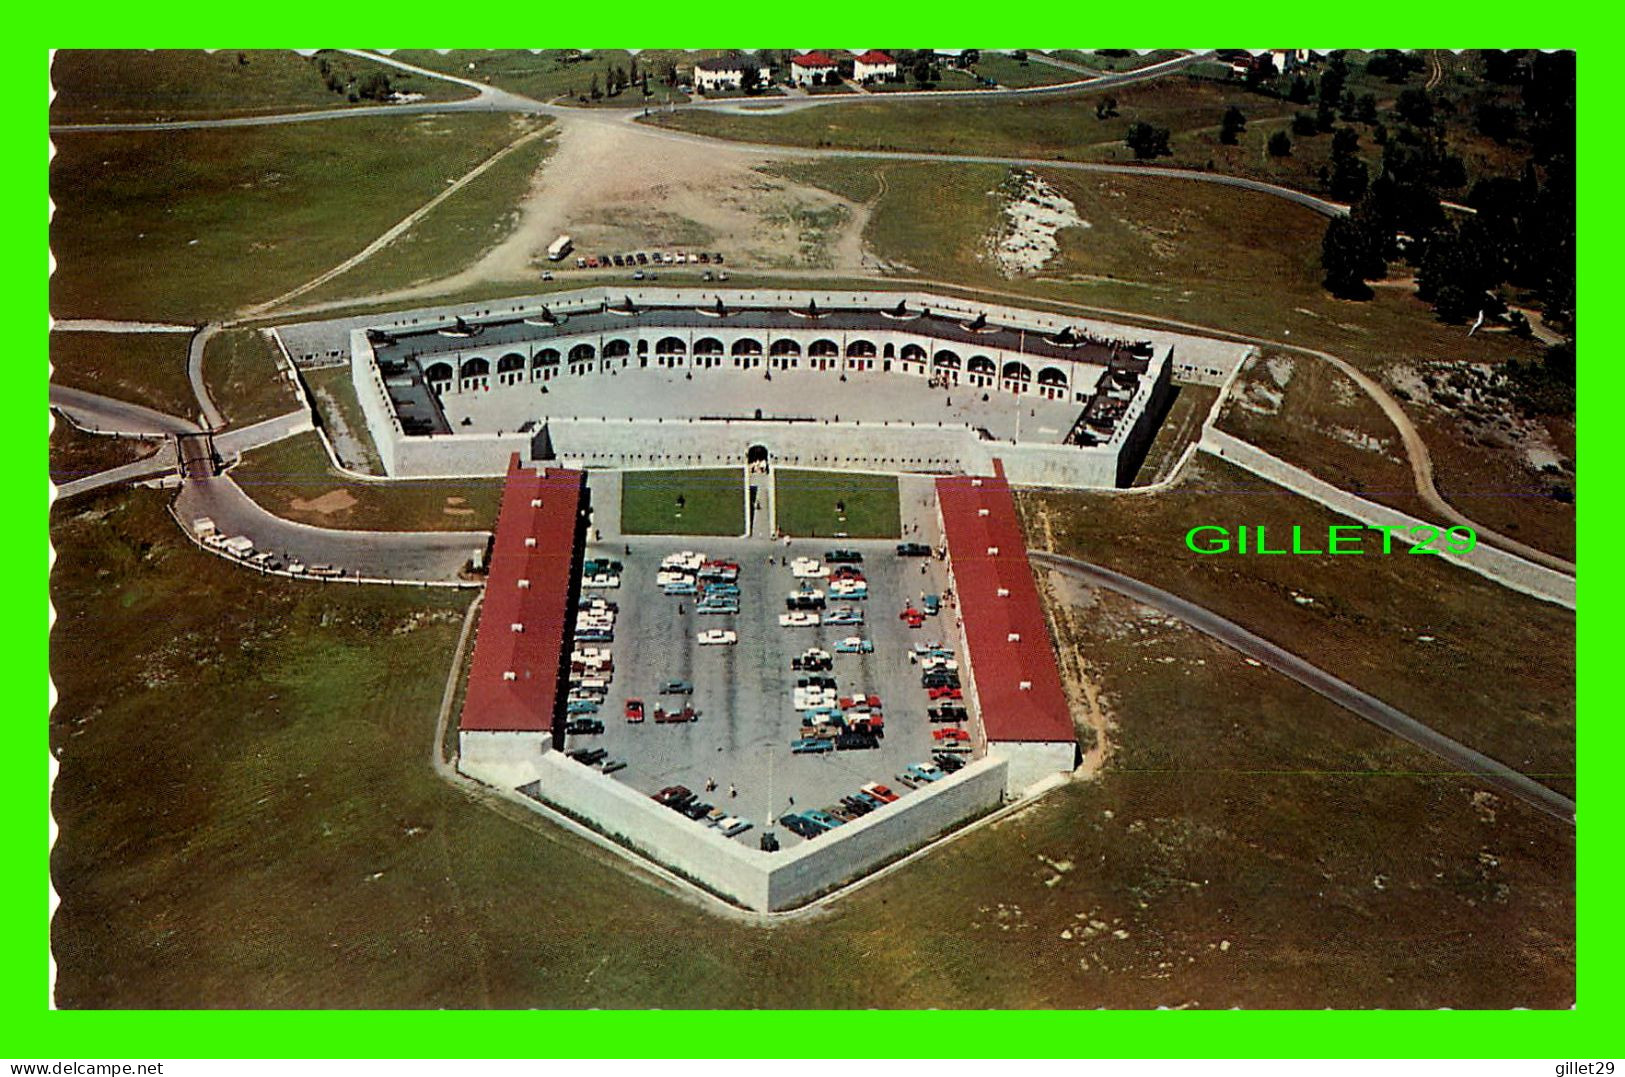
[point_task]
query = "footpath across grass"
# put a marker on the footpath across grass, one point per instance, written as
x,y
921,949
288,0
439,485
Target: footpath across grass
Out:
x,y
698,501
830,504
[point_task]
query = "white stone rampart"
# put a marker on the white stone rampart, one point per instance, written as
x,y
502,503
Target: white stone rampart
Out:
x,y
462,365
738,869
1504,568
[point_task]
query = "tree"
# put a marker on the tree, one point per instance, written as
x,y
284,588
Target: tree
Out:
x,y
922,72
1106,109
1280,145
1301,91
375,87
592,90
1147,141
1347,176
1365,110
750,78
1350,256
1496,121
1303,124
1415,107
1234,123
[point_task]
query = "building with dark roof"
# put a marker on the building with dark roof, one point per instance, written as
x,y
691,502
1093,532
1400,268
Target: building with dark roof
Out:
x,y
1014,682
727,72
516,683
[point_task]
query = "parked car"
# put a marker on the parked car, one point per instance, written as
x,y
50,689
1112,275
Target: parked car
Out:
x,y
823,818
843,557
801,826
610,766
925,771
733,826
914,617
932,604
584,727
855,645
798,619
581,706
676,688
948,763
634,710
844,615
671,792
913,549
944,692
950,734
881,792
718,637
812,746
643,258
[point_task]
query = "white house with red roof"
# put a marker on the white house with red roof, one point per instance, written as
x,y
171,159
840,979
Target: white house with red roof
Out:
x,y
811,69
873,66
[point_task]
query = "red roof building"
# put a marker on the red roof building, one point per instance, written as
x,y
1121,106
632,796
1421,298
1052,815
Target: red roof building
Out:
x,y
514,685
813,59
1018,687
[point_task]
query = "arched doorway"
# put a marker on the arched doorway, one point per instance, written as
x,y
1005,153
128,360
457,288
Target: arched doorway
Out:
x,y
756,456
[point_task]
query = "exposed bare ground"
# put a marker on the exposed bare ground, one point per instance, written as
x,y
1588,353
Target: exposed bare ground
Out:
x,y
614,187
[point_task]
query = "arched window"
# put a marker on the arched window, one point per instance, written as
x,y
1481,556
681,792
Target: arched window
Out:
x,y
913,353
510,362
438,372
473,368
547,357
946,359
981,364
747,346
860,349
617,348
708,346
583,353
785,346
671,346
1052,376
1014,371
824,349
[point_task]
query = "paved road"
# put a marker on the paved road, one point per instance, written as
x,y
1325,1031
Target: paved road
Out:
x,y
1494,773
107,325
194,370
397,555
103,414
160,463
242,439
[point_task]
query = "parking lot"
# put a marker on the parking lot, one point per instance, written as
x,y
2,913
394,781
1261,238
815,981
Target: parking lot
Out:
x,y
743,692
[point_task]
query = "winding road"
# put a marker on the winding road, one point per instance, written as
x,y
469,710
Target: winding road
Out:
x,y
1494,773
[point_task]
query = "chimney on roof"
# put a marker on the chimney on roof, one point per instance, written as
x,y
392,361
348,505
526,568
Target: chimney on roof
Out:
x,y
517,626
524,585
1026,686
509,675
530,540
1004,592
1014,637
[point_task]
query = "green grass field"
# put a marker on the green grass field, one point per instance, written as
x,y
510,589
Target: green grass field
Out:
x,y
553,73
823,504
136,85
332,394
294,479
143,368
1475,660
190,225
248,818
713,502
240,369
74,454
452,236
